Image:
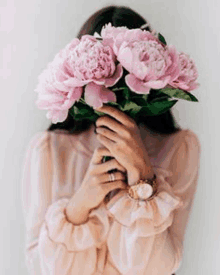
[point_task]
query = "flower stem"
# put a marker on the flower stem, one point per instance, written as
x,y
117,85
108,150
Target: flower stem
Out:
x,y
82,100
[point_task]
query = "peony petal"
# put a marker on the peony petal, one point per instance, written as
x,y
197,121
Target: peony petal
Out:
x,y
95,95
125,57
136,85
75,82
47,100
108,95
174,70
57,115
158,84
115,78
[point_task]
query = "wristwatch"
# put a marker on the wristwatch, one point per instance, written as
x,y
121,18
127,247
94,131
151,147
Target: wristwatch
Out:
x,y
143,189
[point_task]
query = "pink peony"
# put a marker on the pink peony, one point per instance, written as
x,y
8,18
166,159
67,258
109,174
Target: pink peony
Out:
x,y
53,95
188,74
150,64
91,61
115,36
96,95
79,63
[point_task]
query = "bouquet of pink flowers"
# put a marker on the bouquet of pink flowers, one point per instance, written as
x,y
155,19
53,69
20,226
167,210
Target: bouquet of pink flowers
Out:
x,y
121,67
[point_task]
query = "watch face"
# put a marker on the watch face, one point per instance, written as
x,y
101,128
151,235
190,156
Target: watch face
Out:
x,y
144,191
141,191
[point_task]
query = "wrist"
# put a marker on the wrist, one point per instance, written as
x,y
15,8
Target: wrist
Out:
x,y
146,172
77,212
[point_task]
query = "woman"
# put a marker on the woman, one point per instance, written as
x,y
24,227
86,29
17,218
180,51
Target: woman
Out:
x,y
79,217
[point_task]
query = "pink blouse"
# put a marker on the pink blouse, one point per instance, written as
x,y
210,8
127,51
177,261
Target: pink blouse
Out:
x,y
122,235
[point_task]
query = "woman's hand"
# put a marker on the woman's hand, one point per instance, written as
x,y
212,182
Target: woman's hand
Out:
x,y
95,186
122,138
97,182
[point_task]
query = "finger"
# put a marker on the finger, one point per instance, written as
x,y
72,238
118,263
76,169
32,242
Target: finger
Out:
x,y
118,184
112,124
99,153
109,165
104,178
108,133
105,141
117,114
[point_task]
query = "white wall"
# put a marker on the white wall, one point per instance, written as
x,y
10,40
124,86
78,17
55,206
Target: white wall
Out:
x,y
32,32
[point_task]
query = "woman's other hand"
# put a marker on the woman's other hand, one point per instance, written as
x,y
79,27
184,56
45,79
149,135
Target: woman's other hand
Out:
x,y
120,134
96,185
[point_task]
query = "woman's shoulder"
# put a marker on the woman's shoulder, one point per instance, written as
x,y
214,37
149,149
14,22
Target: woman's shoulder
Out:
x,y
183,138
43,138
185,135
60,138
38,140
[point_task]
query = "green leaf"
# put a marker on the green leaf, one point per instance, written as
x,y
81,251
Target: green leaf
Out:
x,y
82,100
112,103
145,96
126,94
118,106
161,98
179,94
139,100
99,113
131,109
155,95
118,89
162,39
157,107
133,113
83,112
71,111
130,105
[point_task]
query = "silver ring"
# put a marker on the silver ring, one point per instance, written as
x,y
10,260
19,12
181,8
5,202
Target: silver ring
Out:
x,y
112,176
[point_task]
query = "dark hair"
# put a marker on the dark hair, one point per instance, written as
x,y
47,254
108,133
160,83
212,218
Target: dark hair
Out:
x,y
118,16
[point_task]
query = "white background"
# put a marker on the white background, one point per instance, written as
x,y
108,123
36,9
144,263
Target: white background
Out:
x,y
32,32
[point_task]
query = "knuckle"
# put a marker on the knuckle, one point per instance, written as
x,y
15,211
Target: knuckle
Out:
x,y
114,162
123,176
132,125
120,183
120,167
100,150
132,122
94,179
117,146
122,144
120,175
104,130
93,169
101,120
128,134
114,112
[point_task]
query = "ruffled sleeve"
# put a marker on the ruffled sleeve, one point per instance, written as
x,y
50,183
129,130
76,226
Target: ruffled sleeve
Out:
x,y
135,222
54,245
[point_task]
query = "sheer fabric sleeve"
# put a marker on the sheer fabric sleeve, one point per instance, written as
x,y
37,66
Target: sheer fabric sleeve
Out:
x,y
136,222
52,244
